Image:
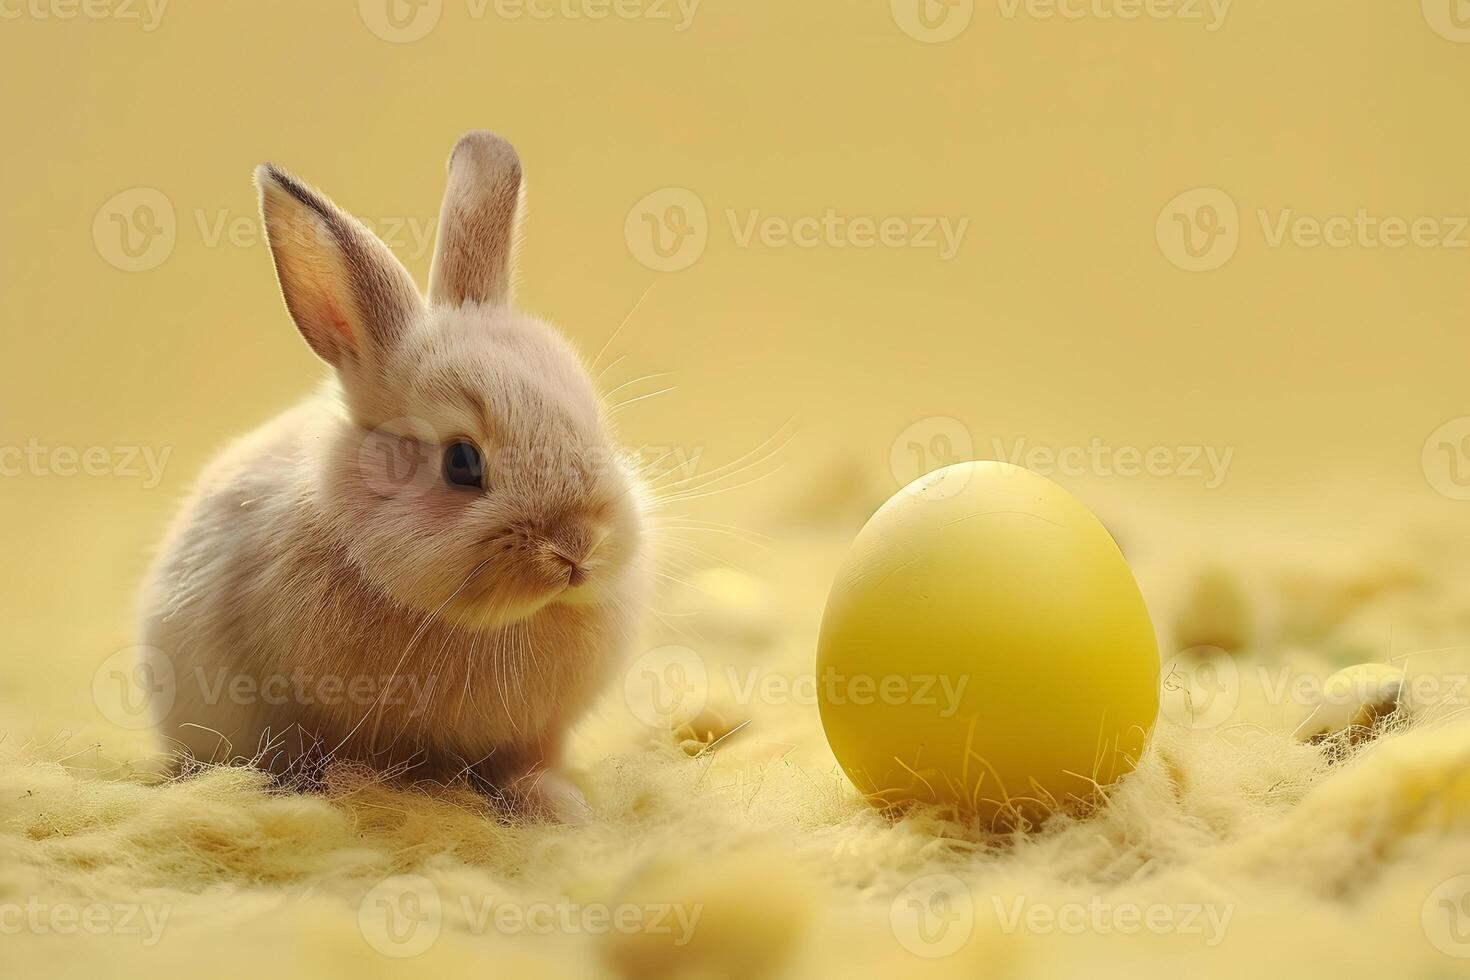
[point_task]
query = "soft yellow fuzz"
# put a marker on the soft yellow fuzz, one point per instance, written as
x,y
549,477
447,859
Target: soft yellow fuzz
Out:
x,y
1322,858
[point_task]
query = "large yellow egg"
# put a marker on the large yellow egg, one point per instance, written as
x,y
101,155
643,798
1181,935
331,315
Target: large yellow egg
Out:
x,y
985,644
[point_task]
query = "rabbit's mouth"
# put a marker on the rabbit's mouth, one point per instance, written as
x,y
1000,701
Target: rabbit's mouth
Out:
x,y
522,578
490,600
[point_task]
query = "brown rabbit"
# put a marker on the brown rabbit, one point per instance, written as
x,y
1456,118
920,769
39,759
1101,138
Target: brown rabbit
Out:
x,y
433,564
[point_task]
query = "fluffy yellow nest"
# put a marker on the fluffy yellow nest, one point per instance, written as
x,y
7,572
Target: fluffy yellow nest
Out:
x,y
1234,845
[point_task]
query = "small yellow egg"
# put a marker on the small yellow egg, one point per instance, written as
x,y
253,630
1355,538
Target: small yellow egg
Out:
x,y
1356,700
985,644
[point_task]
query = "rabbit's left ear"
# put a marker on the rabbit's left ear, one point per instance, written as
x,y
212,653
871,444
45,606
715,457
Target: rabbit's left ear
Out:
x,y
350,298
474,257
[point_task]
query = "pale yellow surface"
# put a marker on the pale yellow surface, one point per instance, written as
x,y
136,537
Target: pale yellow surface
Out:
x,y
985,644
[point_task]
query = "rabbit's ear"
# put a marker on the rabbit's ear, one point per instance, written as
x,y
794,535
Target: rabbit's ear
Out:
x,y
350,298
477,224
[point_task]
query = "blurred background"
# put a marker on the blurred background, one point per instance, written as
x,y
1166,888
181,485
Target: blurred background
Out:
x,y
1204,264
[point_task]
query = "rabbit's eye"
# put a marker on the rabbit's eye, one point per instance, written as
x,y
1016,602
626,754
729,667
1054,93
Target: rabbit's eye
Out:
x,y
462,465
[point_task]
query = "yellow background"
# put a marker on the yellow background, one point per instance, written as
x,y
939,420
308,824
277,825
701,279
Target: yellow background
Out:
x,y
1060,319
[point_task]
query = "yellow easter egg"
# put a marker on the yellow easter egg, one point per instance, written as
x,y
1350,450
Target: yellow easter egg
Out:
x,y
985,644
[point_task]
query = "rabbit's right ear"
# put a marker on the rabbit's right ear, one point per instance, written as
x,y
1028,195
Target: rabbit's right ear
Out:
x,y
474,258
350,298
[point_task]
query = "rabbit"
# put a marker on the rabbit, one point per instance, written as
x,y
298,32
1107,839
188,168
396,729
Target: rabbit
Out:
x,y
431,566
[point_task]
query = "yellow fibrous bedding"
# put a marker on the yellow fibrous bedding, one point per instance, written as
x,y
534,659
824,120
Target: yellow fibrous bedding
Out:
x,y
1233,847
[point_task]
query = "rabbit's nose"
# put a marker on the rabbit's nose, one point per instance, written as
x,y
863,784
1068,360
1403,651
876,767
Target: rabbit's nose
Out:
x,y
571,549
576,573
566,565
